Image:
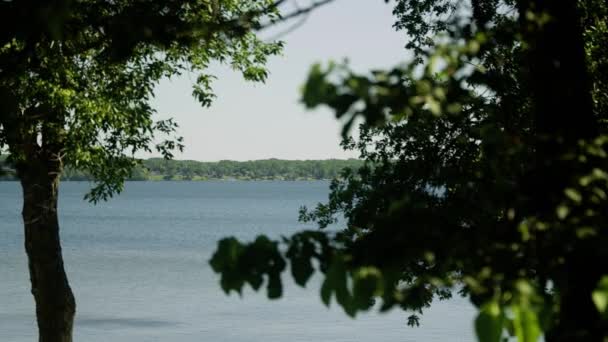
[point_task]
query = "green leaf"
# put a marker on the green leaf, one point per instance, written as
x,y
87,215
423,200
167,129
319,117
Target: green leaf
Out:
x,y
562,211
300,253
336,283
600,296
226,256
317,90
489,322
255,280
302,270
574,195
326,292
367,283
275,287
525,322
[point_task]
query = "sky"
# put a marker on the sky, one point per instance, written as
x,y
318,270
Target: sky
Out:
x,y
250,121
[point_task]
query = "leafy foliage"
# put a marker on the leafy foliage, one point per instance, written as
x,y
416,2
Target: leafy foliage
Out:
x,y
76,79
76,87
479,178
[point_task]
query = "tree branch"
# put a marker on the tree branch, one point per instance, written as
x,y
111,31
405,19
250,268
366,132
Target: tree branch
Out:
x,y
294,14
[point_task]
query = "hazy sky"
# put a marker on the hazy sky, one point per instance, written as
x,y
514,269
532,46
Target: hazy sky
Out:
x,y
257,121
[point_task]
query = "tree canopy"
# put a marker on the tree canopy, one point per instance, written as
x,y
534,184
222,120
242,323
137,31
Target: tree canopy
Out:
x,y
485,174
81,81
76,77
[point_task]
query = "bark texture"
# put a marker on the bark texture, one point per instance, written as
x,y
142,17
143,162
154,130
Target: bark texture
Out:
x,y
55,304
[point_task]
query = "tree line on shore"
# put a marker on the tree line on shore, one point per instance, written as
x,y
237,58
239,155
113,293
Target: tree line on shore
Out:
x,y
158,169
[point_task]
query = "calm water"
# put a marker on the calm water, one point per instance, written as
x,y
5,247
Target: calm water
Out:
x,y
138,267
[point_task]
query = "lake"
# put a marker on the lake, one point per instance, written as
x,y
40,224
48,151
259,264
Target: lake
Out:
x,y
138,267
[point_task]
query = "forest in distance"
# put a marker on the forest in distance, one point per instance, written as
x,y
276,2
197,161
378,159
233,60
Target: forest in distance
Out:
x,y
159,169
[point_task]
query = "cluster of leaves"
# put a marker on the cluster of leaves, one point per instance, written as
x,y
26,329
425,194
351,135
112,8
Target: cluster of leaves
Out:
x,y
75,82
469,184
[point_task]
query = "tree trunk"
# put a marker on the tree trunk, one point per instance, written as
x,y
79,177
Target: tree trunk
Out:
x,y
55,304
563,115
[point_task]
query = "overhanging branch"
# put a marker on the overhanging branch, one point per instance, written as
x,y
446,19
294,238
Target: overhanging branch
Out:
x,y
296,13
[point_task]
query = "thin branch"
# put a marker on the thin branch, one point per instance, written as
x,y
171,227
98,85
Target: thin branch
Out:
x,y
290,29
294,14
293,27
305,10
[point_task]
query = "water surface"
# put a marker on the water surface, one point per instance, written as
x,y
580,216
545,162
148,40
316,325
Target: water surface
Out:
x,y
138,267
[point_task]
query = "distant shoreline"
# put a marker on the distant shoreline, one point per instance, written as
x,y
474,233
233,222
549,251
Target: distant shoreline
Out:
x,y
158,169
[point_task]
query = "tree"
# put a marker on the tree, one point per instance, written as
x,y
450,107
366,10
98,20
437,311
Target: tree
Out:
x,y
75,81
486,174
